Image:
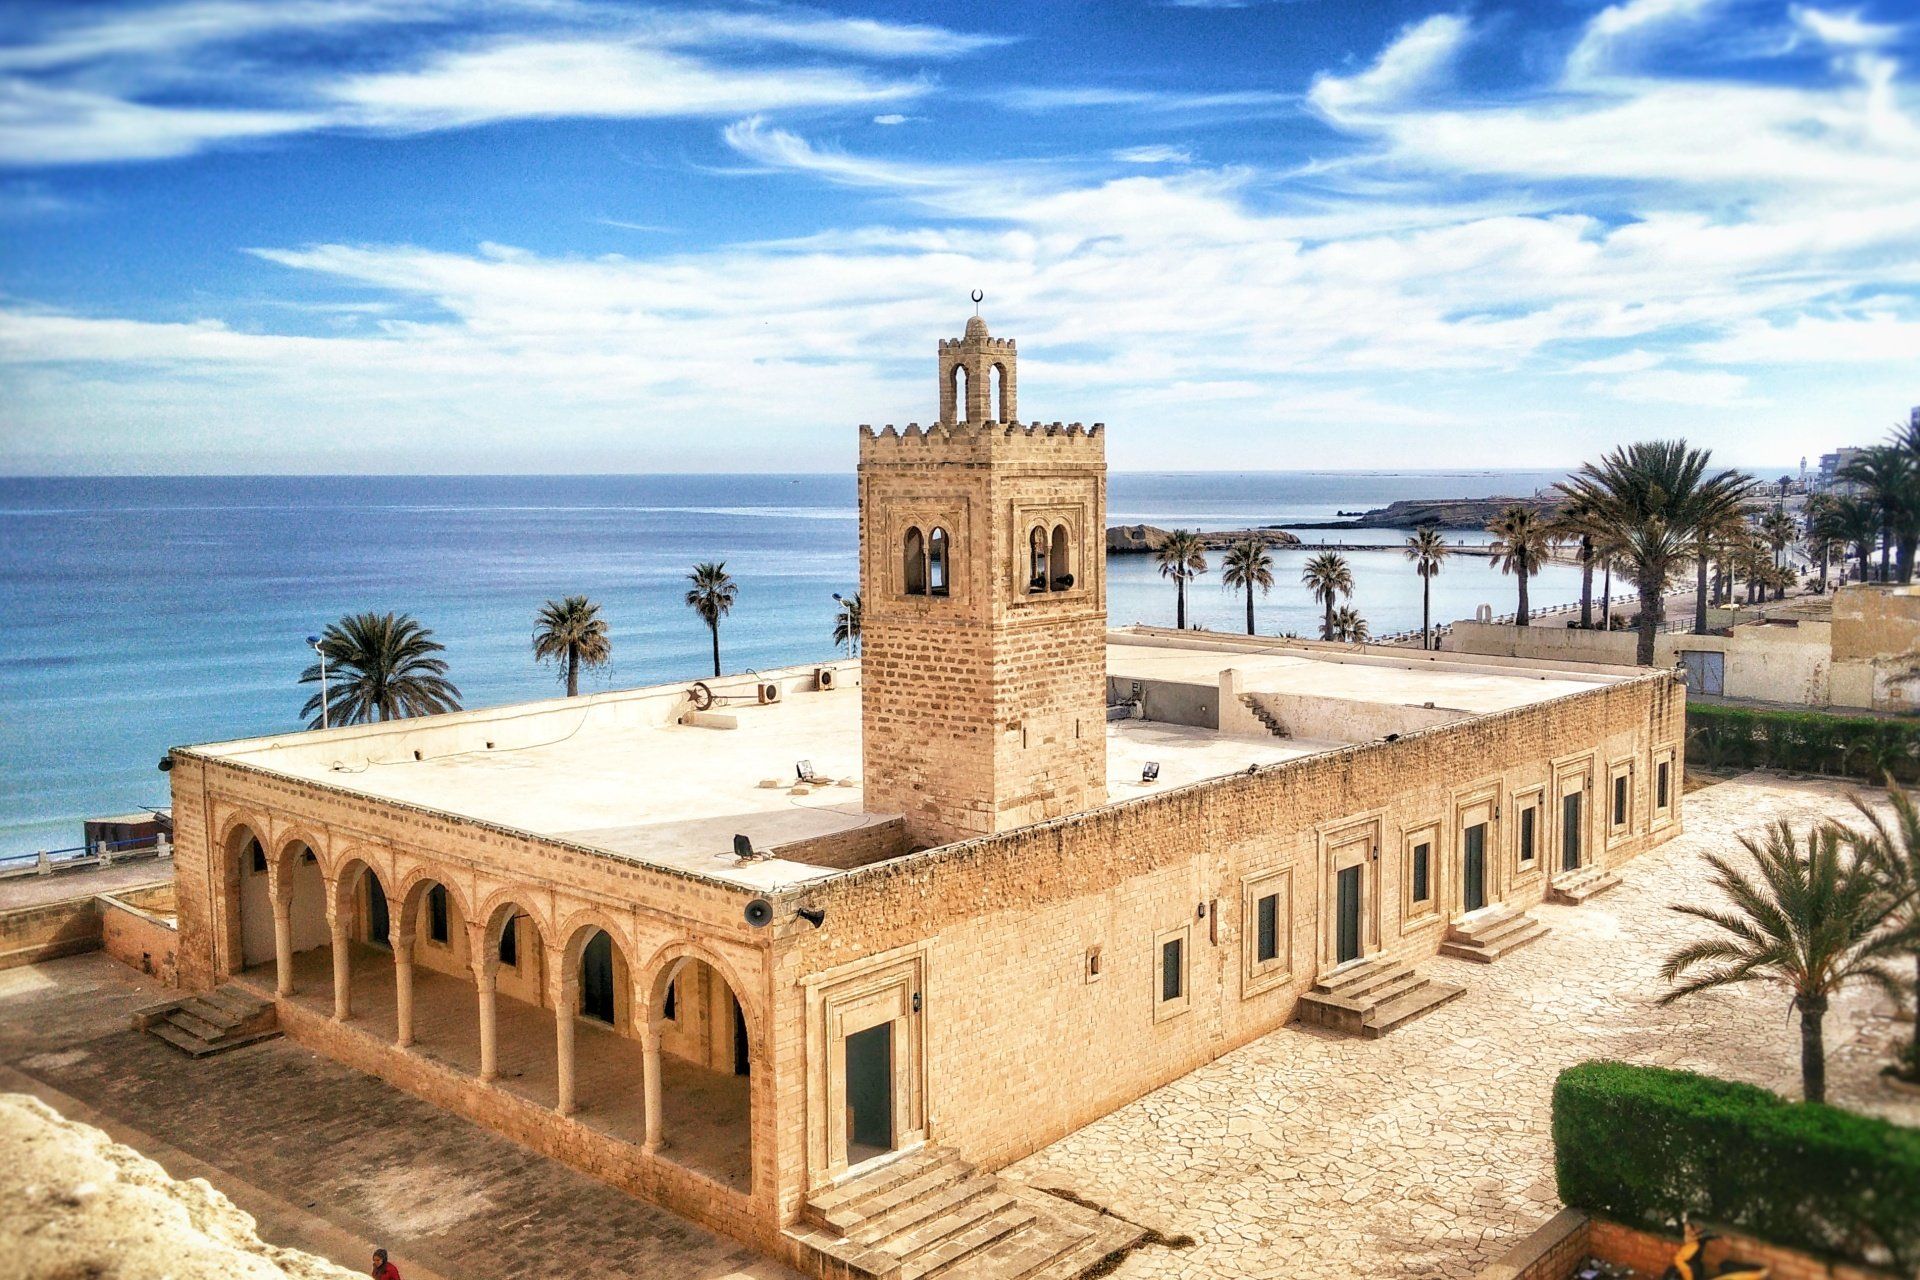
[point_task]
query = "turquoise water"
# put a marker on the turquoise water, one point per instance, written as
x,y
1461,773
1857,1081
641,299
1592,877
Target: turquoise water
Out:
x,y
140,613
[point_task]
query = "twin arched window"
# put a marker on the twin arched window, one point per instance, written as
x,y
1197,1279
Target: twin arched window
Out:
x,y
924,562
1049,560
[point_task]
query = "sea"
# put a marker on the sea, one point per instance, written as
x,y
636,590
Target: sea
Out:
x,y
141,613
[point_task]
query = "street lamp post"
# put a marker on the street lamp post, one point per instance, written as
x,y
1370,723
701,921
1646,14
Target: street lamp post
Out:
x,y
846,611
314,643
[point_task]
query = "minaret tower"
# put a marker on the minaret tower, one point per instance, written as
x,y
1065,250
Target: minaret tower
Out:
x,y
983,591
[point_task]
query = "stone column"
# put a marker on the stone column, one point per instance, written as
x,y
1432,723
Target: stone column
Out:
x,y
650,1085
563,1014
483,980
402,987
282,946
342,973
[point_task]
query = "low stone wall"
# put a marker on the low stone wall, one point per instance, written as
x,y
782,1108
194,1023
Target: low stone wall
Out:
x,y
69,926
138,930
1552,1253
874,842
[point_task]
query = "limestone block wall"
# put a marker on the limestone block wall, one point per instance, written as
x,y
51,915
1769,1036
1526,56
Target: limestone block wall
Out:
x,y
1040,946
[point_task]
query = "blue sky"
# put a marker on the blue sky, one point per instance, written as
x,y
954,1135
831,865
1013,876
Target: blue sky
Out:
x,y
560,235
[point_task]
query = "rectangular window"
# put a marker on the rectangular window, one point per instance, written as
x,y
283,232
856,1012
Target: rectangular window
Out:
x,y
1422,872
1660,785
1172,975
510,943
1528,817
1620,800
437,914
1267,944
259,859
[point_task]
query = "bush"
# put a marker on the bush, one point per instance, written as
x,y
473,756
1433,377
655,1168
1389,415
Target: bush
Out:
x,y
1803,741
1645,1145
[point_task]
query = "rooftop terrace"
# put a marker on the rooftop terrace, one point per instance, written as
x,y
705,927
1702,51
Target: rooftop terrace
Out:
x,y
622,773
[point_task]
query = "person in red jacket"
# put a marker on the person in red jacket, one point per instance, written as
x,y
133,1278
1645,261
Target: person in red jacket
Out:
x,y
382,1269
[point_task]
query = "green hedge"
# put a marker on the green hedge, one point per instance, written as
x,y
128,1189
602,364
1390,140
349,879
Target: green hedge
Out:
x,y
1644,1145
1864,747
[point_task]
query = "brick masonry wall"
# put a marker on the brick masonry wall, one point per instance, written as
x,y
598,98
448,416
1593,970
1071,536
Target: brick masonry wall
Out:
x,y
843,850
1007,922
133,933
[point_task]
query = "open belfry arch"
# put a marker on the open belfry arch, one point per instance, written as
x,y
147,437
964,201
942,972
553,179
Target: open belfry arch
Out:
x,y
984,664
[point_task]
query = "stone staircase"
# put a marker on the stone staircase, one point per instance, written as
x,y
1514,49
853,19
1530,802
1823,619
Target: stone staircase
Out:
x,y
210,1021
1371,997
1487,935
1573,888
1264,716
930,1213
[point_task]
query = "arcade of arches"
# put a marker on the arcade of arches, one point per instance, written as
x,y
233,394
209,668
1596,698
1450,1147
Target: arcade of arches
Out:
x,y
557,1016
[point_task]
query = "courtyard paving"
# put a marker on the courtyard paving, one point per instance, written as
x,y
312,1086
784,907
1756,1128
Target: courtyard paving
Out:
x,y
328,1159
1429,1152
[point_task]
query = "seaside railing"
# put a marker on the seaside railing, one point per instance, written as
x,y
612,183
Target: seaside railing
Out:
x,y
102,853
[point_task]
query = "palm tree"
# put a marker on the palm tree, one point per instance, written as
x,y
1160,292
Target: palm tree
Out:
x,y
1779,529
1855,524
1819,542
1328,578
379,666
1519,548
1247,565
1574,523
1347,626
1892,849
1710,539
1892,482
1426,548
846,623
1654,497
1813,922
571,631
1181,556
712,598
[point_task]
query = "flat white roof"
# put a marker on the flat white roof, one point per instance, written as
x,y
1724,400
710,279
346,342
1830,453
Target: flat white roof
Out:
x,y
619,773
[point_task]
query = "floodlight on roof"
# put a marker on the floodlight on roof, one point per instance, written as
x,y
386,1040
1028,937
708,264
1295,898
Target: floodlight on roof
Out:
x,y
1150,771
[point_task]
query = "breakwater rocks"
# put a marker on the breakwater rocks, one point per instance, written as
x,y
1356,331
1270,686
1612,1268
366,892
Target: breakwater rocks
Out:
x,y
1441,513
1140,539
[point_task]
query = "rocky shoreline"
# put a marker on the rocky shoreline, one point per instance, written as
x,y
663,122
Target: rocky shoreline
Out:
x,y
1142,539
1440,513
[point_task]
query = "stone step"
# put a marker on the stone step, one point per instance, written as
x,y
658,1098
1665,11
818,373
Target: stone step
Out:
x,y
1486,938
884,1188
184,1019
930,1231
235,1000
1032,1253
1354,981
1426,999
921,1206
945,1256
212,1012
1574,889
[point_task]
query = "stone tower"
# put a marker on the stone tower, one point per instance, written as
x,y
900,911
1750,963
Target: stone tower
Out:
x,y
983,581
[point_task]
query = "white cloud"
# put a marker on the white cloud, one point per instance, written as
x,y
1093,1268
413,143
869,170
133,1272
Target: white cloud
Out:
x,y
1842,29
1714,389
1414,61
1153,155
521,80
1626,362
1626,27
40,126
891,118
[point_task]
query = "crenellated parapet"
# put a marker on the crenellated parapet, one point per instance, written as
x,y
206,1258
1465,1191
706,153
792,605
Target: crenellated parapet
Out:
x,y
999,440
957,346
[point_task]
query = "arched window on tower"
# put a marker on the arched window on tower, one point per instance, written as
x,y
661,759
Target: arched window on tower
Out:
x,y
937,562
997,392
1059,561
959,393
1037,560
913,563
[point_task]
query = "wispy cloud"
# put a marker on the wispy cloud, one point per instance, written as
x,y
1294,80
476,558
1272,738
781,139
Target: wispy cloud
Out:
x,y
118,87
1157,154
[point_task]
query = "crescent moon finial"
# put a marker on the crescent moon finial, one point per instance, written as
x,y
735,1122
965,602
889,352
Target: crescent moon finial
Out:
x,y
978,298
